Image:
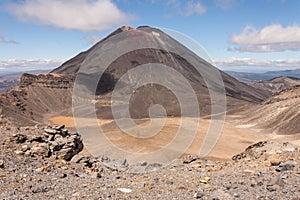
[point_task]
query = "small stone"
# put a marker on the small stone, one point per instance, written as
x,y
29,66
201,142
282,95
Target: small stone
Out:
x,y
198,195
153,167
39,189
275,162
58,128
186,159
149,186
144,163
285,167
19,138
18,152
124,190
260,183
205,180
37,139
118,164
1,163
284,176
271,188
211,170
43,169
252,183
77,158
77,194
236,195
25,148
228,187
96,175
50,131
62,175
41,150
248,171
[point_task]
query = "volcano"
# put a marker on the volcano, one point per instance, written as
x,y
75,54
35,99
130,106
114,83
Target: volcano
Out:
x,y
38,97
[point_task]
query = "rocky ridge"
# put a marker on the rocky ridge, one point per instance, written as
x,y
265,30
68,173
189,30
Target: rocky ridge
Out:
x,y
277,85
35,96
271,171
279,114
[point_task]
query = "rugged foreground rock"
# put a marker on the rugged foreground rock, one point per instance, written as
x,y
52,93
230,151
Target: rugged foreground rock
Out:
x,y
43,163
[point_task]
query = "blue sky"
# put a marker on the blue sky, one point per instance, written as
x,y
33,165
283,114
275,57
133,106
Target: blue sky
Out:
x,y
243,35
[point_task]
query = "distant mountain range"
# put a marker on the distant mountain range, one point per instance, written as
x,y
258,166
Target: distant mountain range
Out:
x,y
256,77
10,80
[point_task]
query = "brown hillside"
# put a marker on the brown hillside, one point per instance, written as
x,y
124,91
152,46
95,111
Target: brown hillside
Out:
x,y
277,84
37,97
279,114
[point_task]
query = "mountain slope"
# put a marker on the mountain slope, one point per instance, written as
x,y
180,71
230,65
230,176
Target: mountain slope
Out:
x,y
38,97
235,90
277,84
35,96
279,114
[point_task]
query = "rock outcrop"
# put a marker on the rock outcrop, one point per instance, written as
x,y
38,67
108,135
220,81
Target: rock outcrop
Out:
x,y
277,85
36,96
54,141
278,114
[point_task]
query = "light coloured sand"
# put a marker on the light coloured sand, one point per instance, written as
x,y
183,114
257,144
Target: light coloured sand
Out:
x,y
232,141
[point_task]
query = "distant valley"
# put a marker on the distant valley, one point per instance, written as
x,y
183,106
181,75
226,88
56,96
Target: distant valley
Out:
x,y
256,77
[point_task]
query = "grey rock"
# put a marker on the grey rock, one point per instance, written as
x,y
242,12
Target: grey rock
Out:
x,y
96,175
186,159
285,167
1,163
118,164
103,158
236,195
198,195
144,163
24,148
60,127
51,131
284,176
41,149
20,138
275,162
62,175
39,189
78,158
271,188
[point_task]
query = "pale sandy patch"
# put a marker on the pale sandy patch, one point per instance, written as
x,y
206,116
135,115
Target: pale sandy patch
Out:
x,y
233,140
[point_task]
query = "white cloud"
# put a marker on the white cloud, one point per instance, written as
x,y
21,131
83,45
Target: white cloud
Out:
x,y
16,65
193,7
225,4
188,8
249,62
273,38
93,39
3,40
83,15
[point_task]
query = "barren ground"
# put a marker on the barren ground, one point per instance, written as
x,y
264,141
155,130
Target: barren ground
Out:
x,y
232,141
